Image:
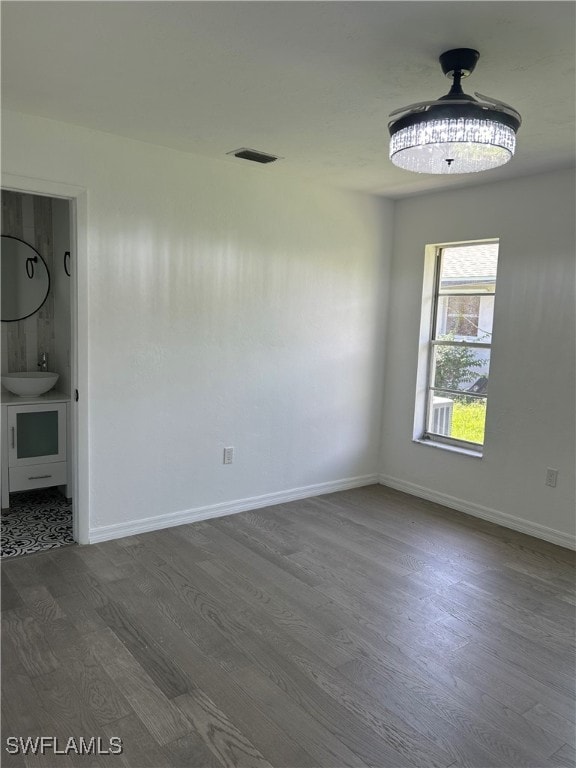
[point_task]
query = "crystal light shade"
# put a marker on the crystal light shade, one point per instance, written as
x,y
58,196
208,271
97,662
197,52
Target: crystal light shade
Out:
x,y
455,133
452,145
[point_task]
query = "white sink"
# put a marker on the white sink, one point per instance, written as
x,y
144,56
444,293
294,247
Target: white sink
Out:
x,y
30,384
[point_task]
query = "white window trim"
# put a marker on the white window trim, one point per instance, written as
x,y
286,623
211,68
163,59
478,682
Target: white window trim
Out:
x,y
419,433
475,454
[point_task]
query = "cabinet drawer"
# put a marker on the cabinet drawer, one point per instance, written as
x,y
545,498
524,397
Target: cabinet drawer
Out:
x,y
37,476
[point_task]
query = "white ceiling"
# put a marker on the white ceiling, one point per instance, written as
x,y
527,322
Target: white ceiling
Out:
x,y
312,82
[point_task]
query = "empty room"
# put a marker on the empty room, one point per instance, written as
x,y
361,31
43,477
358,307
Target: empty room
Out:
x,y
288,407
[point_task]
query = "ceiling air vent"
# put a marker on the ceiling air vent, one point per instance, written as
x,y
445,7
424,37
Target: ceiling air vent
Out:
x,y
254,155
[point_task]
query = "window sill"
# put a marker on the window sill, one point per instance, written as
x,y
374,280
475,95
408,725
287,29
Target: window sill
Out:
x,y
449,448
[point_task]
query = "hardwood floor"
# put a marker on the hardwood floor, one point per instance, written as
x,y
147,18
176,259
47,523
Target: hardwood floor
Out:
x,y
361,628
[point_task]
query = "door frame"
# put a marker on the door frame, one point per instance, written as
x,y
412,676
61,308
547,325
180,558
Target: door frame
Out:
x,y
79,410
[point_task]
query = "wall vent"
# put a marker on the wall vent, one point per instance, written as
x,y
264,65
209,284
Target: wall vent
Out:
x,y
254,155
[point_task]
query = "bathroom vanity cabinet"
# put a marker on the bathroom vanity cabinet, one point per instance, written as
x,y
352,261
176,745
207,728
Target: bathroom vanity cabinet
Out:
x,y
34,443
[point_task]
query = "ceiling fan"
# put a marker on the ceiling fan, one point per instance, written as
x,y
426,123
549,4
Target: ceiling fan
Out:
x,y
455,133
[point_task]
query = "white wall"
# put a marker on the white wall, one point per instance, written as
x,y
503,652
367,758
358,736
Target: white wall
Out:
x,y
531,410
226,304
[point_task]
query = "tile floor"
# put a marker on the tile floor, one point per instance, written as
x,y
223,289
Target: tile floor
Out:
x,y
36,520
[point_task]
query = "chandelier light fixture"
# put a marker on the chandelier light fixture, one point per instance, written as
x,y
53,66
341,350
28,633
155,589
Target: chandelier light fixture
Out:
x,y
456,133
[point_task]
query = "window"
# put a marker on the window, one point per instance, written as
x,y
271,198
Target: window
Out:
x,y
462,313
460,344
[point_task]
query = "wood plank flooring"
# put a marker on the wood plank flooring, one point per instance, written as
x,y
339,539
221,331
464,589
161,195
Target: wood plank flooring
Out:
x,y
361,628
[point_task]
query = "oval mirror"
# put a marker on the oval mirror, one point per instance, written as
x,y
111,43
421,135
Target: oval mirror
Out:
x,y
25,280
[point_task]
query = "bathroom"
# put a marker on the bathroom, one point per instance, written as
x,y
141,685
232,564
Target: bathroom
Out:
x,y
35,308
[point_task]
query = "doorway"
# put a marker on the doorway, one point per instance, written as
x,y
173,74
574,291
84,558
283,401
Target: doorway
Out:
x,y
41,495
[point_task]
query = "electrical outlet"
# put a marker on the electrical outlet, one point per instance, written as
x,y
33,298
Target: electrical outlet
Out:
x,y
551,477
228,455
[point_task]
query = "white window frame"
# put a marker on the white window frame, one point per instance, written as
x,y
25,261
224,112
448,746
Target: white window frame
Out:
x,y
430,298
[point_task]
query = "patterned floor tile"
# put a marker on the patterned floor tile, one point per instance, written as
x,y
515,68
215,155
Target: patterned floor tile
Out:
x,y
36,520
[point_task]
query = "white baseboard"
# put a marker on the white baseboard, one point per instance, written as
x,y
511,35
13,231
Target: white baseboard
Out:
x,y
119,530
485,513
